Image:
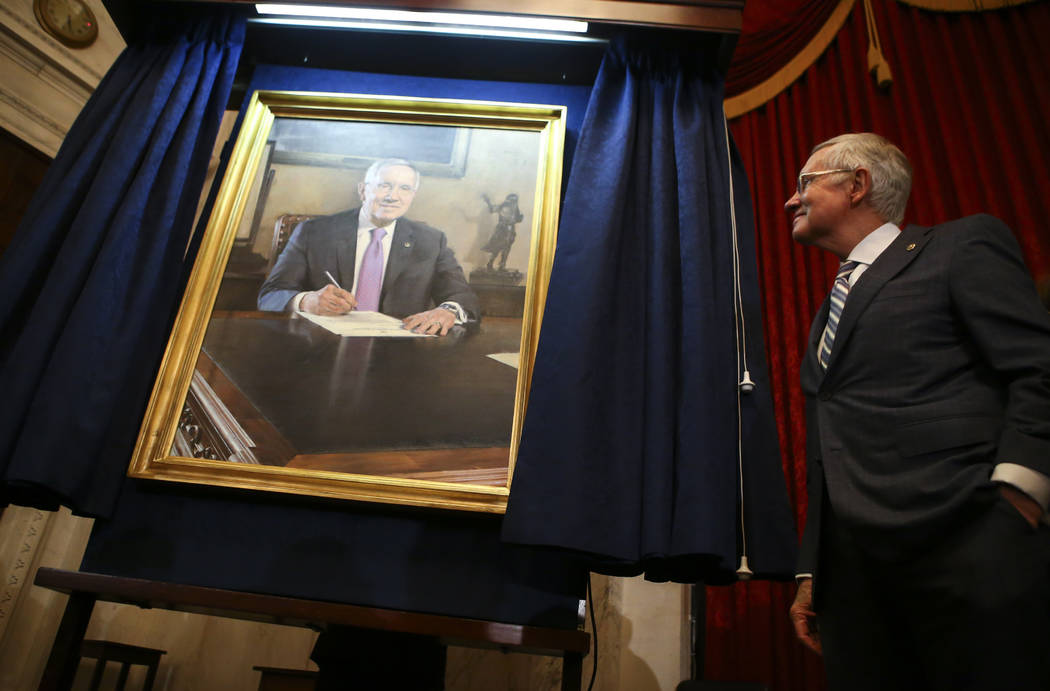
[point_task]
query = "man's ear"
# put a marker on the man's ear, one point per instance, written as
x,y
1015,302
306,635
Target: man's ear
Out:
x,y
860,187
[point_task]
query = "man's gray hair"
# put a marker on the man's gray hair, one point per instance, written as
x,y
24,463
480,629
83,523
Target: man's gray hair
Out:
x,y
372,174
889,168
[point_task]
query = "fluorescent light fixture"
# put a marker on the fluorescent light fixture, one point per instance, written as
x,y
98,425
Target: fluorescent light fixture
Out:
x,y
423,28
500,21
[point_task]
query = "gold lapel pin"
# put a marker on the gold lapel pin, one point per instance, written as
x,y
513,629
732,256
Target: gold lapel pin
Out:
x,y
409,244
910,247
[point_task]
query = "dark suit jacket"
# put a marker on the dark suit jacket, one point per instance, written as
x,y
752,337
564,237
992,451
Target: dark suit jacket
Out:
x,y
940,368
421,271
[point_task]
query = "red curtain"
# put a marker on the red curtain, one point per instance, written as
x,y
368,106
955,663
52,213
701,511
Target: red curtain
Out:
x,y
968,104
774,32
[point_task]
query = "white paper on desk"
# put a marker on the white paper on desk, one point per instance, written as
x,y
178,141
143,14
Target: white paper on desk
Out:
x,y
506,358
363,324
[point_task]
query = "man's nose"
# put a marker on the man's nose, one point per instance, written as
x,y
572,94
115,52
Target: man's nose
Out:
x,y
793,203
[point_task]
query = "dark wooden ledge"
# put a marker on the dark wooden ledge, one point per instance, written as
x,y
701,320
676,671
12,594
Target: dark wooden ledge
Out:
x,y
85,588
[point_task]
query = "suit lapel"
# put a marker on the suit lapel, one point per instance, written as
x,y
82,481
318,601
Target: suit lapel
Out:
x,y
812,372
346,250
892,261
816,329
400,252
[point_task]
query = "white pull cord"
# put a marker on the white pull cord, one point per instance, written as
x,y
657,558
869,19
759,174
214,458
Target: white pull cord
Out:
x,y
746,385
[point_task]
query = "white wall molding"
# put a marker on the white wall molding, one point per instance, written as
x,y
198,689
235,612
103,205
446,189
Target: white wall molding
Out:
x,y
44,84
22,119
88,64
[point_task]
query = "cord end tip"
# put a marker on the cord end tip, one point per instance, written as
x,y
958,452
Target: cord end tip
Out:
x,y
743,572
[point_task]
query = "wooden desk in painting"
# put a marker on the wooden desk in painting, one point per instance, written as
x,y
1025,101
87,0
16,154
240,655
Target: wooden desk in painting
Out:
x,y
276,389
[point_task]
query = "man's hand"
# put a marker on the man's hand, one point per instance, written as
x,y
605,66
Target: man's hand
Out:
x,y
328,301
804,618
435,322
1025,505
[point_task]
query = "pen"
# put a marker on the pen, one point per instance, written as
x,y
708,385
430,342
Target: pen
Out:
x,y
336,284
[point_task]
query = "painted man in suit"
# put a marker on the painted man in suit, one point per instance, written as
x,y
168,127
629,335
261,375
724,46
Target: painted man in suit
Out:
x,y
925,562
380,260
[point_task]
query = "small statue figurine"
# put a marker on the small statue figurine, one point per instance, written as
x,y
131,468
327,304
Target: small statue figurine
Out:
x,y
503,236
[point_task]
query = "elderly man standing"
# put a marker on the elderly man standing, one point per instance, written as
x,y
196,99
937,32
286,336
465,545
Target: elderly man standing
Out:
x,y
925,562
372,258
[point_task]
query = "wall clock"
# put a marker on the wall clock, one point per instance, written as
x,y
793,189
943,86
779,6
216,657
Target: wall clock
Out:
x,y
70,21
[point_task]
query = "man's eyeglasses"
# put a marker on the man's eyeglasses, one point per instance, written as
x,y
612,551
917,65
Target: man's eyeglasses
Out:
x,y
805,178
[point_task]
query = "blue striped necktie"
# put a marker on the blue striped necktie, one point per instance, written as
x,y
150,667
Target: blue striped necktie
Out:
x,y
838,300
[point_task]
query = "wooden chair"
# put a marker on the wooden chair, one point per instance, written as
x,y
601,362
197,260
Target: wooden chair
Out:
x,y
277,679
701,685
282,231
126,655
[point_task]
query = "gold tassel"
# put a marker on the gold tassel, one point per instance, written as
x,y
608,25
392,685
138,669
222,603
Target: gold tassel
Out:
x,y
877,64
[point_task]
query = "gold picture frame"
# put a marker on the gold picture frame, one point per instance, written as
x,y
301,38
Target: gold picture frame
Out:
x,y
252,398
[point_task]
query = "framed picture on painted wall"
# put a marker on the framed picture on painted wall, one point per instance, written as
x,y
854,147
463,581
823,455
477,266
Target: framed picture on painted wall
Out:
x,y
362,317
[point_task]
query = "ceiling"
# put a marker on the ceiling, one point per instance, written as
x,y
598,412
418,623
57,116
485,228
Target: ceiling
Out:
x,y
424,55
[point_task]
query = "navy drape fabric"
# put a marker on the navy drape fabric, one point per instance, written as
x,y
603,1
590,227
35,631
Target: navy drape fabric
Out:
x,y
443,562
91,278
630,444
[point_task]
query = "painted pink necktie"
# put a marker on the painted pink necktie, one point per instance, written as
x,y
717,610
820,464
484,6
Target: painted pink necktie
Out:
x,y
370,282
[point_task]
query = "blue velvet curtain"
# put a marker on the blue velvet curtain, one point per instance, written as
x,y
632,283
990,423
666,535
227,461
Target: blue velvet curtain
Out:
x,y
93,274
630,446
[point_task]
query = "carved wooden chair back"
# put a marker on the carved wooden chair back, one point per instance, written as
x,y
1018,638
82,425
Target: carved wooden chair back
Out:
x,y
282,231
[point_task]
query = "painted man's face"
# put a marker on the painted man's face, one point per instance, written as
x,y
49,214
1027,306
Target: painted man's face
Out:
x,y
388,197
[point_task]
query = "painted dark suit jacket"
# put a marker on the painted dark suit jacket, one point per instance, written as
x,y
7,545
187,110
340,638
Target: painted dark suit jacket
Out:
x,y
940,368
421,271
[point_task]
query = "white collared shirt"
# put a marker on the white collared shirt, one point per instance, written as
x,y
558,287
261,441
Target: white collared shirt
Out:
x,y
869,249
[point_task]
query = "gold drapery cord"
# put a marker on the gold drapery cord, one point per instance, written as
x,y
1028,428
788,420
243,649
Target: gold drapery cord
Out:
x,y
877,65
963,5
764,92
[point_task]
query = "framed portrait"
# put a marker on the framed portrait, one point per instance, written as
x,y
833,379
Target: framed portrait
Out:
x,y
362,317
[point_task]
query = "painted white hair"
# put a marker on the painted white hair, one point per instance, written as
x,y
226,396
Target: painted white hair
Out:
x,y
889,168
372,174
